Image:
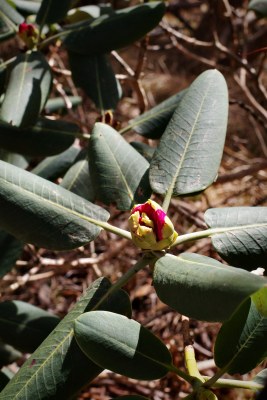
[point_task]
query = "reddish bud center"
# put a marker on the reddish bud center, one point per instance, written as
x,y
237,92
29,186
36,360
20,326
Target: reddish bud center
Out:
x,y
27,28
156,216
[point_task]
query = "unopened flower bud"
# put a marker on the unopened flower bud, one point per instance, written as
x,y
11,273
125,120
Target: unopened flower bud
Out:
x,y
28,33
150,227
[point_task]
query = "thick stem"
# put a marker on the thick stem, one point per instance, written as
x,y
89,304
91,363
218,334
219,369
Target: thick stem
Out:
x,y
233,383
191,364
110,228
190,379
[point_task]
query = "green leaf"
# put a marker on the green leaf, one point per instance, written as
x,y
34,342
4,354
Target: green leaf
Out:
x,y
46,138
151,124
144,149
10,250
52,11
54,167
25,326
58,103
261,377
202,288
7,10
4,379
90,37
118,171
259,6
27,90
241,343
27,6
13,158
7,28
122,345
8,354
242,235
189,153
55,218
78,180
95,76
58,369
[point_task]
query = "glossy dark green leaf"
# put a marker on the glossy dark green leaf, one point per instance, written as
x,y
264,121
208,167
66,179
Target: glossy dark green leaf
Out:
x,y
10,250
27,7
58,369
52,11
7,28
59,103
144,149
86,12
190,150
10,12
122,345
90,37
25,326
27,89
241,343
78,180
8,354
46,138
95,76
259,6
242,235
118,171
54,167
201,287
55,218
151,124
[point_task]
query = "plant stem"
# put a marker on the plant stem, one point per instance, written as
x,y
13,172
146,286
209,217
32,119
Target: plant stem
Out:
x,y
142,263
110,228
191,364
210,382
234,383
190,379
167,199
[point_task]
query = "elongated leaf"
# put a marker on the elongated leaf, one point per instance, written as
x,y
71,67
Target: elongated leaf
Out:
x,y
59,103
13,158
189,153
242,235
55,166
118,171
52,11
7,28
261,377
90,37
25,326
10,250
202,288
27,7
122,345
58,368
259,6
55,218
151,124
27,90
144,149
241,343
95,76
9,11
8,354
78,180
45,138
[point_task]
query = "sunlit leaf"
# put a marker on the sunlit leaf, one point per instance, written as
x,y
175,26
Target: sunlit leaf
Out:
x,y
242,235
58,103
122,345
27,89
241,343
8,11
27,6
118,171
201,287
90,37
190,150
55,218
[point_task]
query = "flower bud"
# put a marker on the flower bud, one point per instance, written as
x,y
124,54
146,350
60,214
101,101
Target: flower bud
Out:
x,y
28,33
150,227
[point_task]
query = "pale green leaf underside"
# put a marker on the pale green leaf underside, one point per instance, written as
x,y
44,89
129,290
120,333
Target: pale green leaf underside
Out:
x,y
189,154
202,288
118,171
47,215
244,241
242,341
